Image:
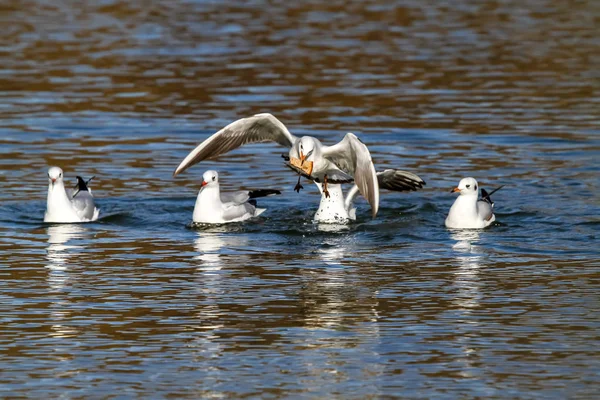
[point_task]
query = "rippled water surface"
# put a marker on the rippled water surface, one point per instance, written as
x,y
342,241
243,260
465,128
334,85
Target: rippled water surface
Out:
x,y
140,305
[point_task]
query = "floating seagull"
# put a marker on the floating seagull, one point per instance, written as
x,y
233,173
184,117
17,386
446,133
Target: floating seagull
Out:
x,y
468,211
214,207
347,161
66,205
336,209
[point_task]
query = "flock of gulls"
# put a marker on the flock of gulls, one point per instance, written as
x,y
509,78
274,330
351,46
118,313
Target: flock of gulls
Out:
x,y
329,167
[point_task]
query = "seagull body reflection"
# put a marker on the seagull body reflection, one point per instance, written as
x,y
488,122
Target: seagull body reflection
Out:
x,y
467,296
59,254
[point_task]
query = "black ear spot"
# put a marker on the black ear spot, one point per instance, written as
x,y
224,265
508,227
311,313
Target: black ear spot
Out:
x,y
475,188
214,178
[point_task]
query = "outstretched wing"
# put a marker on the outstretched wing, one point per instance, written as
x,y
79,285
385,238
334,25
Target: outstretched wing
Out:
x,y
256,129
391,179
399,181
353,157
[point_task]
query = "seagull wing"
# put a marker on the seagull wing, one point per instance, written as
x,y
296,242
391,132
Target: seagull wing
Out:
x,y
233,212
256,129
485,210
399,181
391,179
84,205
352,156
239,197
243,196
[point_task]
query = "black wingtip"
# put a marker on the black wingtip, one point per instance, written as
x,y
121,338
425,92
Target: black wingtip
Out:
x,y
81,184
254,194
485,196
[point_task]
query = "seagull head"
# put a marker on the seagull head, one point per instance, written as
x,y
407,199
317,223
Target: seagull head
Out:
x,y
306,147
467,186
55,174
210,179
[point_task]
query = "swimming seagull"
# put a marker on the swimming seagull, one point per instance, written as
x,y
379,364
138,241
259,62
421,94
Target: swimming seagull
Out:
x,y
67,205
337,209
347,161
468,211
214,207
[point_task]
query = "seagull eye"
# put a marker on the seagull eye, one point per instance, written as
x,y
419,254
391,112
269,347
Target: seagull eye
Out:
x,y
213,178
475,188
468,186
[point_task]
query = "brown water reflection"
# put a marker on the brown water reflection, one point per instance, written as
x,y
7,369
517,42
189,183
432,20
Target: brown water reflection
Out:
x,y
139,305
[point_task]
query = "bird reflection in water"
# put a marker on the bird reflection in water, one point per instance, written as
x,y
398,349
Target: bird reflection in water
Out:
x,y
334,299
59,252
209,245
62,248
469,259
332,254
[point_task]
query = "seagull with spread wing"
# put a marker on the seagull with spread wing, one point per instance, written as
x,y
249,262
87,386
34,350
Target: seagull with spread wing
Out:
x,y
347,161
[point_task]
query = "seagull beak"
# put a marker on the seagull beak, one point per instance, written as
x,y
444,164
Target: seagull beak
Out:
x,y
204,183
53,180
455,190
302,158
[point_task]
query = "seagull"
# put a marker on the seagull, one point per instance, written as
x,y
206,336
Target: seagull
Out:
x,y
337,209
468,211
347,161
214,207
67,205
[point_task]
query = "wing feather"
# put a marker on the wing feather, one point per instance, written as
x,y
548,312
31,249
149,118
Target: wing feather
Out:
x,y
84,205
485,210
352,156
390,179
238,197
399,181
256,129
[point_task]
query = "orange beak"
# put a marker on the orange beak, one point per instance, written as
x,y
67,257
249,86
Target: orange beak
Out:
x,y
455,190
53,180
204,183
302,158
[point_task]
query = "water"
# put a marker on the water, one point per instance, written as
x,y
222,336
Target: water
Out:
x,y
140,305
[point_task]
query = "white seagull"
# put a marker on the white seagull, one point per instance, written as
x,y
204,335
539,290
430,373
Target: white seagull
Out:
x,y
468,211
69,205
214,207
337,209
343,162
